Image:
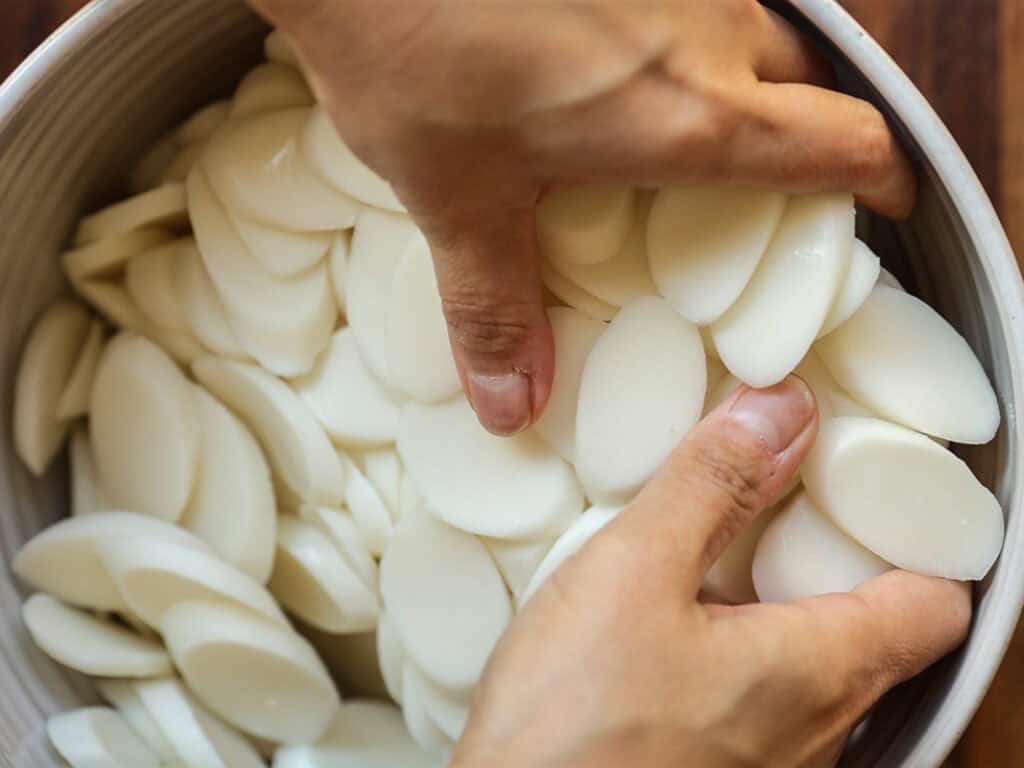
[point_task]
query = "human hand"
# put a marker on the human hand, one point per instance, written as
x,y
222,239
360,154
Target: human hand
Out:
x,y
473,109
614,661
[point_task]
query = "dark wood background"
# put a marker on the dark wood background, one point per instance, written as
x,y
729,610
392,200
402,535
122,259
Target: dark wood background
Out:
x,y
967,56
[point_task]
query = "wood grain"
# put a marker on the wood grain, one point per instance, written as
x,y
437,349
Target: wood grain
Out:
x,y
996,737
967,57
1011,71
25,23
957,72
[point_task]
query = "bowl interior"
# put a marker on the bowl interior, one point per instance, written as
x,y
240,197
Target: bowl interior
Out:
x,y
87,105
73,121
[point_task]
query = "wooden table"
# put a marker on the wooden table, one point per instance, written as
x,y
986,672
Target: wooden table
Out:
x,y
967,56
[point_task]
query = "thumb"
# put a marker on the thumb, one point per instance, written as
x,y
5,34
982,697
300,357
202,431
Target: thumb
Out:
x,y
489,278
730,468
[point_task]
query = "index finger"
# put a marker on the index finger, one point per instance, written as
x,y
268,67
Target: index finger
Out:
x,y
783,55
886,631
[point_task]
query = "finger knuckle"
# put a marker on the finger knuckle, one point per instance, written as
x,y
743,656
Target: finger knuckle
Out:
x,y
887,660
863,664
734,475
737,12
871,147
703,125
487,327
722,120
898,663
730,481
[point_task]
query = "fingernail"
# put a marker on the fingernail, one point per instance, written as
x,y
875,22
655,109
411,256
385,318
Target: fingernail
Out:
x,y
777,414
502,401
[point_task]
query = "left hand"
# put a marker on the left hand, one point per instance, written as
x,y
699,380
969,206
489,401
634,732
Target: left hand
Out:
x,y
473,109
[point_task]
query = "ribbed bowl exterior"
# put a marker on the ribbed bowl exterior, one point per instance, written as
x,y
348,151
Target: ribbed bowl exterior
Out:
x,y
75,117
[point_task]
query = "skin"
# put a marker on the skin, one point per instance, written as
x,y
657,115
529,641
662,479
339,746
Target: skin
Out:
x,y
472,110
652,676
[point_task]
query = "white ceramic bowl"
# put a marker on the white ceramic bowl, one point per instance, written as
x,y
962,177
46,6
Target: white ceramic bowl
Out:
x,y
85,105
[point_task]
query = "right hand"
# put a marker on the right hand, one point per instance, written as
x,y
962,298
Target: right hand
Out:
x,y
615,662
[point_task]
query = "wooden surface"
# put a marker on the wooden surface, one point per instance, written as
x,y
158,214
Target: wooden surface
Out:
x,y
967,56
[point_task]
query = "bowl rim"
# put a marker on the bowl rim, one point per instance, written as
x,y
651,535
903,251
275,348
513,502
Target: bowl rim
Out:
x,y
73,34
1003,274
966,194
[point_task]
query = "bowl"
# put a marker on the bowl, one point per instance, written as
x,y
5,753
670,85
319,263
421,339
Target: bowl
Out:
x,y
83,107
